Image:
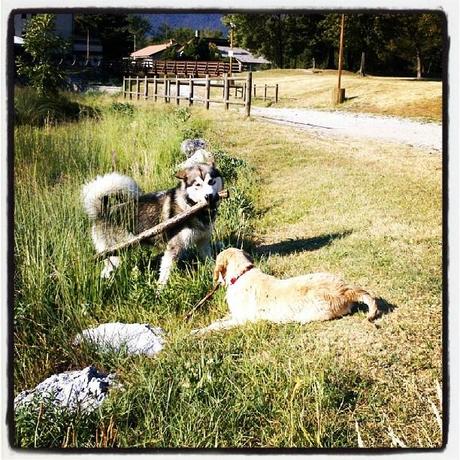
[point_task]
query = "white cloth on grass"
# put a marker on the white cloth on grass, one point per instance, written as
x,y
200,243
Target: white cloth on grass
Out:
x,y
135,338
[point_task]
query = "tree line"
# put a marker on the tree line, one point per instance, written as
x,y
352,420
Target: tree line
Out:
x,y
381,44
121,34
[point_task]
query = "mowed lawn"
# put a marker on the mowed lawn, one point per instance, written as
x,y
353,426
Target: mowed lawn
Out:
x,y
368,211
371,212
391,96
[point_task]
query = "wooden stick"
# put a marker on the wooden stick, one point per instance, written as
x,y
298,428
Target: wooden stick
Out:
x,y
203,300
160,228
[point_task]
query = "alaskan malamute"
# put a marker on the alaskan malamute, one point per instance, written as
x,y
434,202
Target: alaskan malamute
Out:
x,y
114,224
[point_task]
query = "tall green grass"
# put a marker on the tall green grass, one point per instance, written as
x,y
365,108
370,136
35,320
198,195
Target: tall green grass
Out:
x,y
57,285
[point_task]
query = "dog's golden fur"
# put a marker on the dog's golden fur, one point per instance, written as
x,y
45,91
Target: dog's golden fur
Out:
x,y
253,295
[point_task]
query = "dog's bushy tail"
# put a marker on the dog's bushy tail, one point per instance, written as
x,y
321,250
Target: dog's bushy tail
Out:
x,y
357,294
95,193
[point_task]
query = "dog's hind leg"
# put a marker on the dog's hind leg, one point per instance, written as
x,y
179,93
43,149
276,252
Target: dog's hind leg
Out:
x,y
167,261
374,312
360,295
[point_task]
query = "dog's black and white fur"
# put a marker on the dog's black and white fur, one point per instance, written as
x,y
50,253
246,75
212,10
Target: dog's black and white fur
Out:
x,y
114,224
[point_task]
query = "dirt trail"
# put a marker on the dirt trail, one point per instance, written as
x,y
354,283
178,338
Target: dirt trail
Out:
x,y
324,123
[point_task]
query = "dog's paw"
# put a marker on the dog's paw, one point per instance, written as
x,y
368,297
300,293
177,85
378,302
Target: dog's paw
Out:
x,y
372,316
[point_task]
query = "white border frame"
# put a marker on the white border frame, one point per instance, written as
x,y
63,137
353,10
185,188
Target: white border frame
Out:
x,y
450,7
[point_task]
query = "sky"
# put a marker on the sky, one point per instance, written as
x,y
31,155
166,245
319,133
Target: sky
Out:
x,y
198,21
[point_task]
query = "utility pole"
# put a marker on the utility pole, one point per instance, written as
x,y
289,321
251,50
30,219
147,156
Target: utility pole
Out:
x,y
232,26
339,93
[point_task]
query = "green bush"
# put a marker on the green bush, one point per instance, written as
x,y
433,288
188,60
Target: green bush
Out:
x,y
36,109
123,108
43,48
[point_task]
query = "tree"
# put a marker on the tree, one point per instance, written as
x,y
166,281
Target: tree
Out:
x,y
198,49
111,29
420,39
44,48
86,23
138,27
260,33
180,34
392,43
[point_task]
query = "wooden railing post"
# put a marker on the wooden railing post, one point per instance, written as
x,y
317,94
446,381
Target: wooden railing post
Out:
x,y
247,101
155,88
138,87
130,87
226,91
146,92
255,93
124,87
265,92
165,89
207,92
276,93
190,91
177,90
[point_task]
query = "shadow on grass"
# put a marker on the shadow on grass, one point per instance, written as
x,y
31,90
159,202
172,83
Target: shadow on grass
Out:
x,y
148,259
423,79
302,244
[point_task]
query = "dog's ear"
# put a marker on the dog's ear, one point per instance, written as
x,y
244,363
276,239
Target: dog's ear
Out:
x,y
182,174
220,269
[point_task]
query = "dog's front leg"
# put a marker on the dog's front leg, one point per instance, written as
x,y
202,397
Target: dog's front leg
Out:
x,y
225,323
169,257
110,265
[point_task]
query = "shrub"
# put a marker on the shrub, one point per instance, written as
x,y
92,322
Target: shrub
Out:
x,y
36,109
123,108
43,47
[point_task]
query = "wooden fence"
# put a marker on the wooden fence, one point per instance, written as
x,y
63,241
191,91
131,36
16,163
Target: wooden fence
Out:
x,y
265,92
160,88
182,68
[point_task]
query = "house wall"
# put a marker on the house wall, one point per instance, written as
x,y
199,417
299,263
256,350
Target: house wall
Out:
x,y
64,28
19,22
64,24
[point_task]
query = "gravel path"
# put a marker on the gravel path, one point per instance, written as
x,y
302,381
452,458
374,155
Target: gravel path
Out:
x,y
425,135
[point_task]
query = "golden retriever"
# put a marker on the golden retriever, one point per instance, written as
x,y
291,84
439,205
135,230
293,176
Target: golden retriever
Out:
x,y
253,295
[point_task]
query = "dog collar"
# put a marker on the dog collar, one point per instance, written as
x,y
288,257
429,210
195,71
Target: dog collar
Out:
x,y
236,278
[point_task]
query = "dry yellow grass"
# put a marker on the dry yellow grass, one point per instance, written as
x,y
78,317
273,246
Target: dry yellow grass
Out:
x,y
381,206
403,97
